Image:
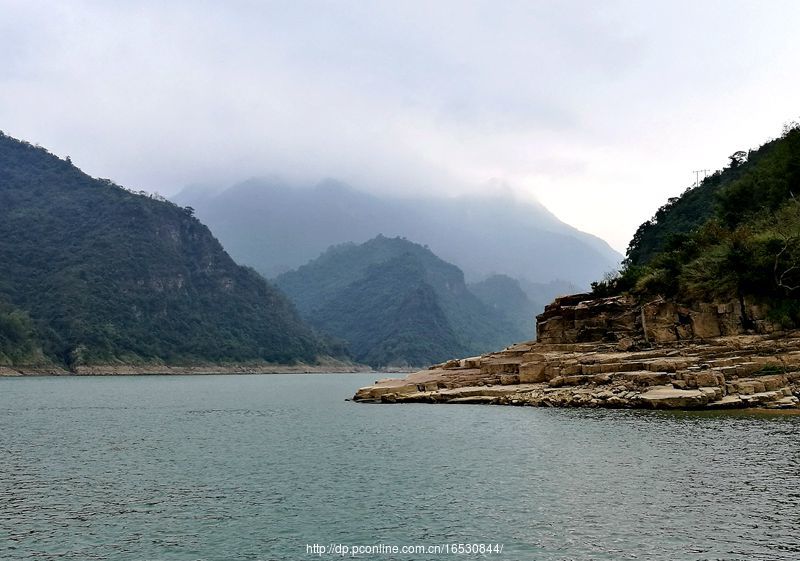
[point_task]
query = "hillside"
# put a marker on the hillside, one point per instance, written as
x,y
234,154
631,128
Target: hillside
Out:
x,y
94,274
681,215
505,295
276,227
395,303
735,236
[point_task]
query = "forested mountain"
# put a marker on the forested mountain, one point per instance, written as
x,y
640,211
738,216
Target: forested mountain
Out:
x,y
396,303
681,215
93,273
735,235
275,227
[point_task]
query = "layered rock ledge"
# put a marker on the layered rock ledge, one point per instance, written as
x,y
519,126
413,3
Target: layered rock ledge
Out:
x,y
648,356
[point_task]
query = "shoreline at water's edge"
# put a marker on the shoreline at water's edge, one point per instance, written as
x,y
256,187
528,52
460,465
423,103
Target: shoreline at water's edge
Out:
x,y
178,370
734,372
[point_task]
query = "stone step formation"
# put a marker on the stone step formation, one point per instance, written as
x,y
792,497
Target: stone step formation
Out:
x,y
731,372
616,369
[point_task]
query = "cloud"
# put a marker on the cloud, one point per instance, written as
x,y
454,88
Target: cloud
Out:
x,y
599,110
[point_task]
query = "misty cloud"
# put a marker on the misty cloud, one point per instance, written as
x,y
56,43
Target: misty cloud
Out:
x,y
600,111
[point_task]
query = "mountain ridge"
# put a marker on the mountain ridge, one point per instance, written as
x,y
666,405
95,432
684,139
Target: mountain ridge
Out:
x,y
275,226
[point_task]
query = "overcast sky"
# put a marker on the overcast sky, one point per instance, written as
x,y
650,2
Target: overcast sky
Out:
x,y
601,110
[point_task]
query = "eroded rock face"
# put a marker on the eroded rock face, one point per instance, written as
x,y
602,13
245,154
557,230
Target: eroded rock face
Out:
x,y
722,372
579,318
622,319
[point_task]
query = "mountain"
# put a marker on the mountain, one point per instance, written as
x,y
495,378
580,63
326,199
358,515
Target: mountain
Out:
x,y
505,295
395,303
734,237
520,301
275,227
684,214
93,274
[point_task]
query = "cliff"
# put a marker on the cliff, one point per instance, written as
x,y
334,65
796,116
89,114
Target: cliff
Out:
x,y
580,318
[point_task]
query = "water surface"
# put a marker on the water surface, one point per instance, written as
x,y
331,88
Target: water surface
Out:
x,y
260,467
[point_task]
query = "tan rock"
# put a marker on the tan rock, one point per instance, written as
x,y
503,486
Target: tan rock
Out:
x,y
500,365
705,325
626,344
509,379
471,362
644,378
727,402
714,393
704,378
532,372
667,397
577,380
746,387
773,382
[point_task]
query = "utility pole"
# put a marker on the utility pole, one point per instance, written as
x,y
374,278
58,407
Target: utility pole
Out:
x,y
697,173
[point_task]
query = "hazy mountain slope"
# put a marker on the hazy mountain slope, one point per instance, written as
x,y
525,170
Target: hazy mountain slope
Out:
x,y
542,293
520,301
390,316
275,227
93,273
365,294
504,294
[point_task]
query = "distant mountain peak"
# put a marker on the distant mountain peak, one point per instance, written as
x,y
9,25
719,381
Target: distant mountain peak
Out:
x,y
281,227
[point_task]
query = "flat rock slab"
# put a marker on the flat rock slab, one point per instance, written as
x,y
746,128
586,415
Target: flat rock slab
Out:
x,y
727,402
487,391
667,397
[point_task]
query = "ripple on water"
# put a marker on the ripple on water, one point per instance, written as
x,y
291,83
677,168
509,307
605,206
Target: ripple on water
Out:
x,y
256,467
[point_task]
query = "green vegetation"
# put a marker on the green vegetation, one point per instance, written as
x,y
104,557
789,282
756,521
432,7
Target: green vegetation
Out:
x,y
17,337
395,303
736,235
93,273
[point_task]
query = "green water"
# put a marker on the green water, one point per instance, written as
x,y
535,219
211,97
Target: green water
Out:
x,y
260,467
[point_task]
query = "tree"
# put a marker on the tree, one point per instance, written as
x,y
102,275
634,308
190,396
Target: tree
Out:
x,y
737,158
786,268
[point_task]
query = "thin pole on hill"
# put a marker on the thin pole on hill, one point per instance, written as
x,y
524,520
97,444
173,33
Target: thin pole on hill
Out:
x,y
697,173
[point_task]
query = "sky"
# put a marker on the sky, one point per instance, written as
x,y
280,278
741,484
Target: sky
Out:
x,y
599,110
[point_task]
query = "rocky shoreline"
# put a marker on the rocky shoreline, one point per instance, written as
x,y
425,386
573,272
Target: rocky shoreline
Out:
x,y
618,352
722,373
